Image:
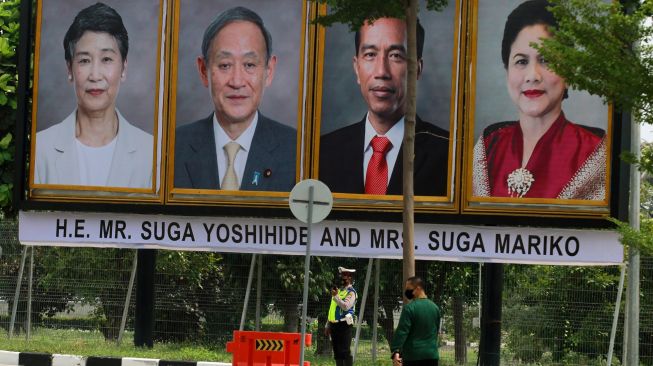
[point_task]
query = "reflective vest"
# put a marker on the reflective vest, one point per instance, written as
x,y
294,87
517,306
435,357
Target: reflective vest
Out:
x,y
335,312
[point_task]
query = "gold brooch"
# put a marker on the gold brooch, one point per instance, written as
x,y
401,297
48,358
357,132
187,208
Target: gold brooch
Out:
x,y
519,182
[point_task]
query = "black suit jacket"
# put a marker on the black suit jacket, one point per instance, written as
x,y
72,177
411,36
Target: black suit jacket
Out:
x,y
273,151
341,160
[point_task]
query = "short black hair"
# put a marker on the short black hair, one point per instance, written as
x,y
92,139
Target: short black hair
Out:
x,y
416,281
96,18
420,39
528,13
239,13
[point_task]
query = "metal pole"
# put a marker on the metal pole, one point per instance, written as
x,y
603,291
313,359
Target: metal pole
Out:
x,y
247,292
307,267
28,332
624,354
125,309
480,289
368,276
632,294
615,317
14,306
375,316
259,286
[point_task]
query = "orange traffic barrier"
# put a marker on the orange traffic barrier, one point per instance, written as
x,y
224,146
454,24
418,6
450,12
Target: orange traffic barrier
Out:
x,y
266,348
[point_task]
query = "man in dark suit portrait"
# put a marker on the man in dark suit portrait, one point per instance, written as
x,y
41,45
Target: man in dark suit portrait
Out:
x,y
236,147
366,157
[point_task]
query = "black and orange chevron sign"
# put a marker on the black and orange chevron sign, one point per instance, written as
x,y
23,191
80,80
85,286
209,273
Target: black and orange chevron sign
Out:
x,y
269,345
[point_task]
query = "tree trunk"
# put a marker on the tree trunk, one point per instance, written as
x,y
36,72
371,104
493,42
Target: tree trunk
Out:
x,y
388,323
409,143
323,342
290,317
459,330
112,310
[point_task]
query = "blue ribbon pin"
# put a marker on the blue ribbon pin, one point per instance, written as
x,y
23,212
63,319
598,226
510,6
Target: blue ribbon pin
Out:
x,y
257,175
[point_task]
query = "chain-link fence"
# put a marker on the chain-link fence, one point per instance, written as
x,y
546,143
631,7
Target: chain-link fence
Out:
x,y
551,315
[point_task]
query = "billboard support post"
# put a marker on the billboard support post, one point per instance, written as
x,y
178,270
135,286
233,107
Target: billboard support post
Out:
x,y
375,315
615,318
632,294
144,317
14,307
370,264
30,279
259,287
248,291
490,345
128,298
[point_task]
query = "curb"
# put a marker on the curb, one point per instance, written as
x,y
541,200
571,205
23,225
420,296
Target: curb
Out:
x,y
44,359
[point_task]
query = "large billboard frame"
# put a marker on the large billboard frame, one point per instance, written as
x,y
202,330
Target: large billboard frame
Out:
x,y
262,205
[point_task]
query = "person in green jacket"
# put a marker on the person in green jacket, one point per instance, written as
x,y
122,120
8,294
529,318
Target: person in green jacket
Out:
x,y
415,342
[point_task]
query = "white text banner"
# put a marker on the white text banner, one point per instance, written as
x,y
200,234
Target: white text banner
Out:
x,y
329,238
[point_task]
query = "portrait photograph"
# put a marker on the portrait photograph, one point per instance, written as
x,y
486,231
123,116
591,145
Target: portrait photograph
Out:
x,y
531,140
362,101
96,125
236,98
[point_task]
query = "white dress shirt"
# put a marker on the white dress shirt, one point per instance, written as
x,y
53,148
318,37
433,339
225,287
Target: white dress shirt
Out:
x,y
245,142
395,135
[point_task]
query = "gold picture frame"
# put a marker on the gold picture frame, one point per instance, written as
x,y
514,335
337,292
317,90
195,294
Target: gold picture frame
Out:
x,y
296,64
340,40
484,97
144,21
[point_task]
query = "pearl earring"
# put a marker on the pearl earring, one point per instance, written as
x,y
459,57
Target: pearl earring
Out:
x,y
70,78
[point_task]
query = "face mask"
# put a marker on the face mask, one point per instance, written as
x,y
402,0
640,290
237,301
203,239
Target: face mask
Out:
x,y
409,294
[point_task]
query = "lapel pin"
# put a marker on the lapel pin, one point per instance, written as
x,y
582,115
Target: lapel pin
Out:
x,y
256,177
267,173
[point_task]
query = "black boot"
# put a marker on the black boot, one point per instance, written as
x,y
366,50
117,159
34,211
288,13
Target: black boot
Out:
x,y
340,362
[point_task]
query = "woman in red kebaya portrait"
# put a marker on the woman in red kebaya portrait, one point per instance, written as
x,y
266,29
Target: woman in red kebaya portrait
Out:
x,y
542,155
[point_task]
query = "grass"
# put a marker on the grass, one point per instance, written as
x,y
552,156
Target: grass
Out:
x,y
92,343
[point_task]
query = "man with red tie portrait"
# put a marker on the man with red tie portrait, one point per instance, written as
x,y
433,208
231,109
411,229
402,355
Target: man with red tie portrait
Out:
x,y
366,157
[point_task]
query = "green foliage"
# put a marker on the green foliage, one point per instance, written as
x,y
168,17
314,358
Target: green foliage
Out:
x,y
641,239
599,48
355,12
606,48
9,32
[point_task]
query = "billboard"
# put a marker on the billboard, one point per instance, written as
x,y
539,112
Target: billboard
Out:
x,y
181,104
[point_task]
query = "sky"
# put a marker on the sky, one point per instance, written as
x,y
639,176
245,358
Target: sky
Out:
x,y
646,132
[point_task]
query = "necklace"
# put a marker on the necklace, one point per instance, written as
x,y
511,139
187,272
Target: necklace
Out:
x,y
519,182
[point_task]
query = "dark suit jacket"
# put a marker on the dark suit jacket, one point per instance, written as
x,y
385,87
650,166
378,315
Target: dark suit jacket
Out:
x,y
341,160
273,151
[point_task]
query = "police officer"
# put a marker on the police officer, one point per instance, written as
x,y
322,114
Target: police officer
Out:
x,y
341,318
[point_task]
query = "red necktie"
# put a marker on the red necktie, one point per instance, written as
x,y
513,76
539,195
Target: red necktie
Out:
x,y
376,177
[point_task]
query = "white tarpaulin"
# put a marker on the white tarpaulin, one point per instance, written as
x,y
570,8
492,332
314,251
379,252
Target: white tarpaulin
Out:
x,y
330,238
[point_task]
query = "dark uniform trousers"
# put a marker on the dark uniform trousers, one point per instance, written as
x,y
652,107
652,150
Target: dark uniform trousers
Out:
x,y
341,334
